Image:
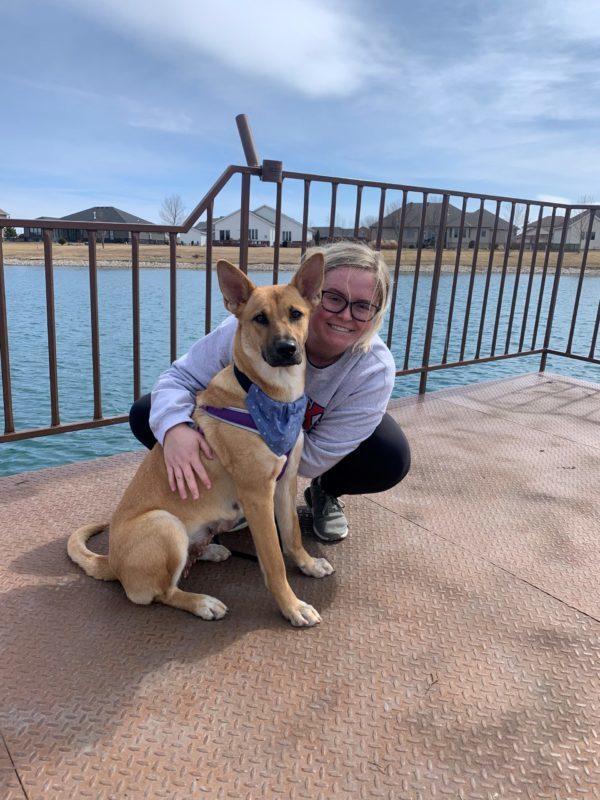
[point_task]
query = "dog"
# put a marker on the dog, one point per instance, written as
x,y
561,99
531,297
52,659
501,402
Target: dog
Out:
x,y
153,531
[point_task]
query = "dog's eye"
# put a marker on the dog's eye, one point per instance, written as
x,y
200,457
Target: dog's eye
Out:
x,y
295,314
261,319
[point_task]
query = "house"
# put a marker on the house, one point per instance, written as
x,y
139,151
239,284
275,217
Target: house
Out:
x,y
575,237
196,235
261,228
321,234
35,234
98,214
3,214
412,224
531,232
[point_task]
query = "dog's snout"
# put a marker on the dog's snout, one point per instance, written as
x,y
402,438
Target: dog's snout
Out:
x,y
286,347
283,352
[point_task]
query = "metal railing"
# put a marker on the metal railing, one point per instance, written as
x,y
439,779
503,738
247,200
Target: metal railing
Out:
x,y
450,231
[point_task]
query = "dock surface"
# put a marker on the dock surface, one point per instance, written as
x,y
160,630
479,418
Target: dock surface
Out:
x,y
458,657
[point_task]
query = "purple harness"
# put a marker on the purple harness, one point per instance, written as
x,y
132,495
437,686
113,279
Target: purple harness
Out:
x,y
241,418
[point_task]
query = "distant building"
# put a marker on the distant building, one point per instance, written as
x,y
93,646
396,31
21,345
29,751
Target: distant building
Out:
x,y
97,214
195,235
575,237
3,215
261,228
412,224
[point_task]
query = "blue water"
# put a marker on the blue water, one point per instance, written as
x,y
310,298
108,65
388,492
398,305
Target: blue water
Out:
x,y
26,313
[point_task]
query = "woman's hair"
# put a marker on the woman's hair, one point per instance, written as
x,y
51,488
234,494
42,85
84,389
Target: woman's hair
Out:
x,y
359,256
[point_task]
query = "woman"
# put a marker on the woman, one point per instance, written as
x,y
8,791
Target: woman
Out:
x,y
351,445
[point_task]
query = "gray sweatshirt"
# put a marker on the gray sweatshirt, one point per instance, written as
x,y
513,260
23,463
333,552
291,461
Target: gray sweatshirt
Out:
x,y
346,400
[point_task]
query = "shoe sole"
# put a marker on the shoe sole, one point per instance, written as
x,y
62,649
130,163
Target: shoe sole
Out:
x,y
308,499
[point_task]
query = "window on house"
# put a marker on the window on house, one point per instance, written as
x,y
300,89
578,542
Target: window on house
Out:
x,y
253,234
483,233
287,236
593,234
455,233
224,236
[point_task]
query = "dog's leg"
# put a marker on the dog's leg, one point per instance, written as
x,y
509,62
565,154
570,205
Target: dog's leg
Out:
x,y
202,605
151,568
260,513
214,552
289,530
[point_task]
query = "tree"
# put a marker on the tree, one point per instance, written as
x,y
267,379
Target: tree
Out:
x,y
10,233
172,210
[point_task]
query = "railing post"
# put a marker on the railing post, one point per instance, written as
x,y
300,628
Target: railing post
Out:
x,y
554,295
9,425
439,252
245,132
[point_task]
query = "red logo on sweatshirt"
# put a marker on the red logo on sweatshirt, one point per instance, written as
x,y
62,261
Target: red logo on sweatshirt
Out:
x,y
313,415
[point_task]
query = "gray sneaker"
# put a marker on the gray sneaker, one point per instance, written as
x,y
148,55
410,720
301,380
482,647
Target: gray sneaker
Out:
x,y
329,522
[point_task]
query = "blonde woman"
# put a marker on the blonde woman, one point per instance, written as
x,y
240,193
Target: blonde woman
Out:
x,y
351,445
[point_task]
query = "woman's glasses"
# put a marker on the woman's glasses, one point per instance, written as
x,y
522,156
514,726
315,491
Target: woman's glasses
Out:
x,y
361,310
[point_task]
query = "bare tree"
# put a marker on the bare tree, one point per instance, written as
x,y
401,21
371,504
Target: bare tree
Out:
x,y
172,210
518,229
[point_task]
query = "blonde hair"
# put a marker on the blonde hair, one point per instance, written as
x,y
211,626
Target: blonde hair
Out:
x,y
359,256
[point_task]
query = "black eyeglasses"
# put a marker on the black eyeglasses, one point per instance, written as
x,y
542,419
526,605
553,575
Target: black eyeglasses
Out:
x,y
361,310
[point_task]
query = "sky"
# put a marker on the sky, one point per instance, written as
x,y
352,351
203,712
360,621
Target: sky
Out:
x,y
126,102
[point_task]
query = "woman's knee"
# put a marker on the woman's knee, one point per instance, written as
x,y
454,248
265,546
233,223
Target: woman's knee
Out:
x,y
395,460
139,421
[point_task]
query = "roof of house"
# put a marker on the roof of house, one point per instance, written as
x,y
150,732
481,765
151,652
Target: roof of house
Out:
x,y
268,213
264,212
105,214
432,217
3,213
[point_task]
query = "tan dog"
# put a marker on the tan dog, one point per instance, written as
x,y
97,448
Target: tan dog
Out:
x,y
153,528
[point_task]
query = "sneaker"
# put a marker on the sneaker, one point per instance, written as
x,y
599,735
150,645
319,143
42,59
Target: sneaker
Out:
x,y
329,522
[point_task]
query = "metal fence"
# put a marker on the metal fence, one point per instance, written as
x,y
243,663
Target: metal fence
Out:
x,y
503,235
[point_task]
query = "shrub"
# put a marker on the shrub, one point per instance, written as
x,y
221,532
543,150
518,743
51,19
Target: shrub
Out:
x,y
62,240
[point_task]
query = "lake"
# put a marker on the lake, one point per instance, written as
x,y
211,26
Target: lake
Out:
x,y
26,313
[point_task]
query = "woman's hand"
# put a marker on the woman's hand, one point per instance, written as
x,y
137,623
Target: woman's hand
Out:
x,y
181,450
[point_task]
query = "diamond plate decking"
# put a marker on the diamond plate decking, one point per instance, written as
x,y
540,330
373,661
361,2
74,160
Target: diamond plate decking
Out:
x,y
458,657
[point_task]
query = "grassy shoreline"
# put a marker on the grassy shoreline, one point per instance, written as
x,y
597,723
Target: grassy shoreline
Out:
x,y
118,256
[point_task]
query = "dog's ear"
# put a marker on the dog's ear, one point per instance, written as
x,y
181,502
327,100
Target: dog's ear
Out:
x,y
309,278
235,286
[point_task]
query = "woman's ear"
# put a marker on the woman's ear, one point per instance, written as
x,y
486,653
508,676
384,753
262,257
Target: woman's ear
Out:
x,y
236,287
309,278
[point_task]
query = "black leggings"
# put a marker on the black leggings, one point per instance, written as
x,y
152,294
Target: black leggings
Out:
x,y
377,464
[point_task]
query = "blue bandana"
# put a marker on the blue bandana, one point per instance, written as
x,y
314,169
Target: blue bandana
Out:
x,y
278,423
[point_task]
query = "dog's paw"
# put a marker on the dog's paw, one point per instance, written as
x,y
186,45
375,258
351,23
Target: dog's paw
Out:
x,y
317,568
302,615
210,608
215,552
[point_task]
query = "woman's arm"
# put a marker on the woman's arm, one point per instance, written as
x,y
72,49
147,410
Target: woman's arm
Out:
x,y
342,429
174,394
173,400
356,408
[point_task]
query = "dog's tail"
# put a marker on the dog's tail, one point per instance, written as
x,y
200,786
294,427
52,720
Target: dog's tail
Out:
x,y
93,564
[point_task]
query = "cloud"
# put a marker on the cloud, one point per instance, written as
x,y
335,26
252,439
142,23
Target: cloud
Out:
x,y
318,49
158,119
